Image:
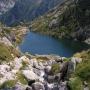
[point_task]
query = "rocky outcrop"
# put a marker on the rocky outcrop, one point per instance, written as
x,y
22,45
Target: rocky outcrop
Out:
x,y
37,73
29,72
68,20
5,41
30,10
30,75
6,5
38,86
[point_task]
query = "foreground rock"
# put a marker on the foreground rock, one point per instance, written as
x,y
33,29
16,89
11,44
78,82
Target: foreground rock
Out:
x,y
30,75
34,73
38,86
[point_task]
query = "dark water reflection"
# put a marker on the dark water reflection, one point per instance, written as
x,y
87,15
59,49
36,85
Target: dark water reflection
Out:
x,y
42,44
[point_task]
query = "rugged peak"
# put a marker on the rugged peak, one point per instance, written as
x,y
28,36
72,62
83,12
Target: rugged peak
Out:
x,y
5,5
25,10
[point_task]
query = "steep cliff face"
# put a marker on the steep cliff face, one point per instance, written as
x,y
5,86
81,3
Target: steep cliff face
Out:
x,y
6,5
71,20
27,10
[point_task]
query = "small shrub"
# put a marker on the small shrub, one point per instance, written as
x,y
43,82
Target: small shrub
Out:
x,y
5,54
42,59
75,84
66,59
24,65
21,78
8,84
83,70
55,69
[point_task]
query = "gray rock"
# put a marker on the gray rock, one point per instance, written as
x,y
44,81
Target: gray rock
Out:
x,y
38,65
38,72
76,60
38,86
54,23
47,69
86,88
63,71
50,79
19,87
6,5
30,75
28,88
71,67
63,86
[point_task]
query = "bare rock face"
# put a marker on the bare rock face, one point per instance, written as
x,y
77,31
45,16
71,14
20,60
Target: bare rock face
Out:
x,y
19,87
38,86
25,10
30,75
6,5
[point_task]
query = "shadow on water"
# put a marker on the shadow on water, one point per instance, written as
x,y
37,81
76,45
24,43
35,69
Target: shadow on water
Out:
x,y
35,43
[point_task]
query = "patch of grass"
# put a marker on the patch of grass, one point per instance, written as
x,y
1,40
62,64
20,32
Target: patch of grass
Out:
x,y
15,51
66,59
42,58
75,84
21,78
85,55
24,65
8,84
5,54
55,69
83,70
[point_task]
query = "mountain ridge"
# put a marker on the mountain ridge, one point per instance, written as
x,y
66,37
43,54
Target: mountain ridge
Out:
x,y
69,20
6,5
27,10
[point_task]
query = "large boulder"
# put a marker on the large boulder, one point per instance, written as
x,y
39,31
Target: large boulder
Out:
x,y
63,86
6,5
28,88
54,23
6,74
47,69
38,72
5,41
36,64
50,79
19,87
38,86
30,75
18,62
76,59
48,86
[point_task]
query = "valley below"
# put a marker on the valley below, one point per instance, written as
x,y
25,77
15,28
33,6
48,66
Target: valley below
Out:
x,y
51,52
20,70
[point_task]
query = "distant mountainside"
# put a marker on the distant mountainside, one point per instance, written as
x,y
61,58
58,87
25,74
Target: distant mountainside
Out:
x,y
6,5
69,20
27,10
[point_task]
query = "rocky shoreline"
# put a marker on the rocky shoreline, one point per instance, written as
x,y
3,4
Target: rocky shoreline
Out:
x,y
35,72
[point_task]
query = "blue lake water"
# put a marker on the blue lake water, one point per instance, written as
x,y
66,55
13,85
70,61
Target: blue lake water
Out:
x,y
35,43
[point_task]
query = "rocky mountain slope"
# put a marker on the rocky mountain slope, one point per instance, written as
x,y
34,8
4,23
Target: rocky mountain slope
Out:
x,y
69,20
20,71
6,5
27,10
